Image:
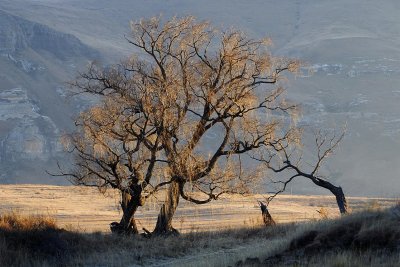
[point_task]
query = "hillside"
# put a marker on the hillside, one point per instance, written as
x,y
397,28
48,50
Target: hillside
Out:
x,y
352,49
35,63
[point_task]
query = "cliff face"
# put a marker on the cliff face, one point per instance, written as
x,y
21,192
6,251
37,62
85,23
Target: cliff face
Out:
x,y
31,135
34,61
18,34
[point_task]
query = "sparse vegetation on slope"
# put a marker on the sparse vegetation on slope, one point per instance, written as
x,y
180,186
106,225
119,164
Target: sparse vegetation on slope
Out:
x,y
366,238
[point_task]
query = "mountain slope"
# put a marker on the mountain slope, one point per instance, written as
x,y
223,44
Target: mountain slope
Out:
x,y
352,48
35,60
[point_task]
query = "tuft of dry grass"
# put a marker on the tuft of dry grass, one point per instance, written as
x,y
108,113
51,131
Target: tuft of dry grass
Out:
x,y
29,240
323,213
13,221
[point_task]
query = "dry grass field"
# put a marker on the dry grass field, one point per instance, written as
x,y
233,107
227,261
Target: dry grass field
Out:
x,y
367,238
68,226
86,210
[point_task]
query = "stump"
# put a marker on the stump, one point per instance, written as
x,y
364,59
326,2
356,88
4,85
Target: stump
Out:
x,y
267,218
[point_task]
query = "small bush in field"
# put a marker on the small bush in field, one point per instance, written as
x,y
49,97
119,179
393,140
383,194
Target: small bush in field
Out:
x,y
373,206
323,213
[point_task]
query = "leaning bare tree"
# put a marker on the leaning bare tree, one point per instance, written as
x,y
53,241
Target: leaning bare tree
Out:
x,y
190,107
286,160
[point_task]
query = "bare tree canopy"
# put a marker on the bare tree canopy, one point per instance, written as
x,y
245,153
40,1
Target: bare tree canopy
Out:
x,y
116,148
185,111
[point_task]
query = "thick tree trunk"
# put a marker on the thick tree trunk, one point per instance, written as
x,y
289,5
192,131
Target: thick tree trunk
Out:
x,y
167,211
337,191
267,218
130,206
127,225
340,199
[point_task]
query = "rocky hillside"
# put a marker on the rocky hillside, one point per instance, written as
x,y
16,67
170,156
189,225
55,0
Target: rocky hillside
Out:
x,y
18,34
35,60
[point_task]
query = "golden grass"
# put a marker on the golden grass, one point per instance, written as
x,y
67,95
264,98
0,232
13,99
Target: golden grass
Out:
x,y
86,210
36,241
223,233
13,221
369,238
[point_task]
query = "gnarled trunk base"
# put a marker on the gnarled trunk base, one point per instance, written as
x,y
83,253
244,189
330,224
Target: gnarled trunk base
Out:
x,y
119,228
127,225
167,211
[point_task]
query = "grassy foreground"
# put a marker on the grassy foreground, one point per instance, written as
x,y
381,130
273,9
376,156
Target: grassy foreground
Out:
x,y
369,238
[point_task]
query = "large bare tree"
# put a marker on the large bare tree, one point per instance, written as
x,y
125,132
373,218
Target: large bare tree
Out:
x,y
185,111
116,147
210,83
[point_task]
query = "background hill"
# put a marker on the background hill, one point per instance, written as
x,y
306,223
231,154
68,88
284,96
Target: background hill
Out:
x,y
352,48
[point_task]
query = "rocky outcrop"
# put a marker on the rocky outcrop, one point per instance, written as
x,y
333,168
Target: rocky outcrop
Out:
x,y
17,34
35,60
30,135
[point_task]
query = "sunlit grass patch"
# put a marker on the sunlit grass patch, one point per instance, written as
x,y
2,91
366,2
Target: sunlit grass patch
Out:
x,y
14,221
